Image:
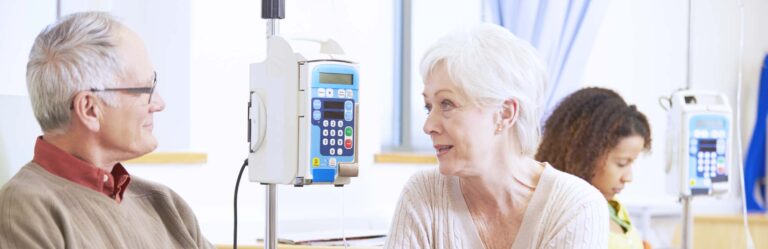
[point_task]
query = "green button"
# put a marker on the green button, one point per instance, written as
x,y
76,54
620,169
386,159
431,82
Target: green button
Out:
x,y
348,131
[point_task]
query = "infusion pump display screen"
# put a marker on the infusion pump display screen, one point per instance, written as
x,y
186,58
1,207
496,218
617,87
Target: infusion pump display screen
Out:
x,y
336,78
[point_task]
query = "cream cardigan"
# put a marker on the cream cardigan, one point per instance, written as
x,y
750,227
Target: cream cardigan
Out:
x,y
564,212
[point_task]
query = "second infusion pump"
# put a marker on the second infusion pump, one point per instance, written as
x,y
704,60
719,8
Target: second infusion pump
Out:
x,y
699,143
303,116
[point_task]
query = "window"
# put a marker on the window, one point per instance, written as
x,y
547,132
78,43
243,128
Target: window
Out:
x,y
418,24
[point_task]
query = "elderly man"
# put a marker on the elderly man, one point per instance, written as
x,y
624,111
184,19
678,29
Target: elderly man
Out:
x,y
92,89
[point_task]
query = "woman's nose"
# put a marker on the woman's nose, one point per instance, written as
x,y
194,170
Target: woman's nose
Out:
x,y
431,125
627,177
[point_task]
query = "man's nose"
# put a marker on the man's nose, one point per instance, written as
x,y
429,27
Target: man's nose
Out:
x,y
157,104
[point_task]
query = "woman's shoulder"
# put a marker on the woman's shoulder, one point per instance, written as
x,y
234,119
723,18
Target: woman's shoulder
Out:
x,y
568,188
565,210
430,187
431,174
429,179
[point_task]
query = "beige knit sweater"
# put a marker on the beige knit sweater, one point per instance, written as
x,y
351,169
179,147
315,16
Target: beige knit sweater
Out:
x,y
41,210
564,212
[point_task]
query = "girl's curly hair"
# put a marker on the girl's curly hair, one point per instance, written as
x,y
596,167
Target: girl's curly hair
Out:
x,y
585,126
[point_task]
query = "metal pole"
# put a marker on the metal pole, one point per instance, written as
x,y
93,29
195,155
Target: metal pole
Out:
x,y
687,223
273,28
270,236
272,11
58,10
403,118
688,55
687,238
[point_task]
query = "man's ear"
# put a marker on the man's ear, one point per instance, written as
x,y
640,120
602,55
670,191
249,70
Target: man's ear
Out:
x,y
87,110
510,111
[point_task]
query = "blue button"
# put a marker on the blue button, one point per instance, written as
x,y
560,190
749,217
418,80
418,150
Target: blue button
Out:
x,y
347,105
316,115
348,116
316,104
323,175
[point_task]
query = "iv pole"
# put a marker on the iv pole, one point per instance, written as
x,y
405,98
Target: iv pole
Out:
x,y
687,240
272,11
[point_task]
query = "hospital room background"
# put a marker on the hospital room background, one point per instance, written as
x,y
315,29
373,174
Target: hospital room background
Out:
x,y
202,49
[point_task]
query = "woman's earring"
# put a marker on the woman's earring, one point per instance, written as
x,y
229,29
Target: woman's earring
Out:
x,y
498,129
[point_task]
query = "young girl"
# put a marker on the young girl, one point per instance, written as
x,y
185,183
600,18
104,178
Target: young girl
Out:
x,y
595,135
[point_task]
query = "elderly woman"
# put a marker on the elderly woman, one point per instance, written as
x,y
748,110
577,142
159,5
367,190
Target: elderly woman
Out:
x,y
595,135
482,91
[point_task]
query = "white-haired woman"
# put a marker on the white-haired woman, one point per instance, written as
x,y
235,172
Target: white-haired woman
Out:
x,y
483,89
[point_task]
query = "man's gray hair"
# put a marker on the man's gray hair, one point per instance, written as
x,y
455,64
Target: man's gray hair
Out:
x,y
75,54
490,65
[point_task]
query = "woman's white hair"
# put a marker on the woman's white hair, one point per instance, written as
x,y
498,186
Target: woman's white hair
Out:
x,y
490,65
75,54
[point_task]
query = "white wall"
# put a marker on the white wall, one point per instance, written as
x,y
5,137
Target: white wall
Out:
x,y
212,43
226,37
429,25
641,52
164,26
20,21
17,41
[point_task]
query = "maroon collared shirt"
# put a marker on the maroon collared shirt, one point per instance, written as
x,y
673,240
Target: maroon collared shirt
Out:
x,y
58,162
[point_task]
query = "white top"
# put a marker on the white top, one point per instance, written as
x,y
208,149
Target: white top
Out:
x,y
564,212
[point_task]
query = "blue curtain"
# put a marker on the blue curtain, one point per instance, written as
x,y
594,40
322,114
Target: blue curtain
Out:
x,y
557,29
754,165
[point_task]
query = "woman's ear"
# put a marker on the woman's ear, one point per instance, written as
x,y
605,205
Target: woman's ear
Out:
x,y
510,110
86,110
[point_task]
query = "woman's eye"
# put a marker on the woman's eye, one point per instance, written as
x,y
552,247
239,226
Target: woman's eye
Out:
x,y
428,108
447,105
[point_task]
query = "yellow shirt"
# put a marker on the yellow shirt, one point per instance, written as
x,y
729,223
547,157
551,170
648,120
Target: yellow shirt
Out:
x,y
630,239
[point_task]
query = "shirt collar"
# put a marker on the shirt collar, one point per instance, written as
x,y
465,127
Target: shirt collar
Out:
x,y
58,162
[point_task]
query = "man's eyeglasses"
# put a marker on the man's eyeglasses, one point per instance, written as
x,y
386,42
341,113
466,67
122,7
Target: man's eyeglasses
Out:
x,y
135,90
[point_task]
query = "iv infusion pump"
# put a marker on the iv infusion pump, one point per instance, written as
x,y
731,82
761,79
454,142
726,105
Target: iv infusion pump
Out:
x,y
698,143
303,116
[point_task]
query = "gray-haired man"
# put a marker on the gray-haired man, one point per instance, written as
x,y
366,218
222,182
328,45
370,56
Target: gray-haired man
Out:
x,y
92,89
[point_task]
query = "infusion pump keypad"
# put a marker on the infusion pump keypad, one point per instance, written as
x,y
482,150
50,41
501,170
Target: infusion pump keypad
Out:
x,y
708,154
333,112
336,127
